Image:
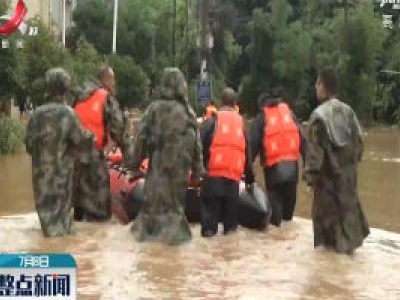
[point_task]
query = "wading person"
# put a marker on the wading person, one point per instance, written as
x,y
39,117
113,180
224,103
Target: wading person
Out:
x,y
334,150
227,156
53,138
100,113
277,137
168,135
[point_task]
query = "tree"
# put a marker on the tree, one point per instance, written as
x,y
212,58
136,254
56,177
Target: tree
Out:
x,y
132,82
3,7
279,52
365,47
41,53
94,19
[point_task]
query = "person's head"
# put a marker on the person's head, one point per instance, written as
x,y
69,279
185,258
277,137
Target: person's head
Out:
x,y
327,84
173,85
228,97
107,77
211,103
58,81
272,96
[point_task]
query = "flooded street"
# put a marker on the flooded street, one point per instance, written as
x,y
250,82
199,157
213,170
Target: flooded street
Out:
x,y
279,264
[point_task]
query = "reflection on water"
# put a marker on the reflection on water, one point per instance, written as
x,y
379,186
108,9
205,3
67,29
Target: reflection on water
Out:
x,y
280,264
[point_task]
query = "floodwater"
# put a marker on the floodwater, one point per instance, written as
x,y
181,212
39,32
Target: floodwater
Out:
x,y
279,264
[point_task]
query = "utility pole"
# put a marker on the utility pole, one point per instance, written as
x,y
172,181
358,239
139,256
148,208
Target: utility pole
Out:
x,y
115,22
173,35
64,17
204,44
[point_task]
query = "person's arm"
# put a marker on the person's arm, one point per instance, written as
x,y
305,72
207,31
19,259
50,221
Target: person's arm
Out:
x,y
248,168
303,141
142,139
206,135
81,139
116,124
256,136
30,134
317,137
197,167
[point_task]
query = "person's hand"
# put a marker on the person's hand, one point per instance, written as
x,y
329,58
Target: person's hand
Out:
x,y
197,182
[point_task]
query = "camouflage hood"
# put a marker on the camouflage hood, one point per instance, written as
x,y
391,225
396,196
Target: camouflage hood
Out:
x,y
174,88
58,82
339,119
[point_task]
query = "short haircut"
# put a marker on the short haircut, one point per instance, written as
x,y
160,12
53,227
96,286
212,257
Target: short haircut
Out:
x,y
103,72
228,97
328,77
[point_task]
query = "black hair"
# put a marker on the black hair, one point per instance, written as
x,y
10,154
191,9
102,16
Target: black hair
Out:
x,y
328,77
228,97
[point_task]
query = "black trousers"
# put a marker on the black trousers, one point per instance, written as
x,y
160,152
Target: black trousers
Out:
x,y
283,201
214,209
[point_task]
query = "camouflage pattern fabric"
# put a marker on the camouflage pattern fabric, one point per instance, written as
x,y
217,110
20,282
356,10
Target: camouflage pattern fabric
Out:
x,y
92,184
333,154
168,134
54,137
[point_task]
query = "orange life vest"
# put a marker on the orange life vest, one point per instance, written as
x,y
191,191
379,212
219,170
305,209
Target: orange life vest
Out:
x,y
281,135
90,113
210,110
228,147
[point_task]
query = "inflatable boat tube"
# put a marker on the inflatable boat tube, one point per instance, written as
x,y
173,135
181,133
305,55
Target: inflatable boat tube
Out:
x,y
127,198
126,195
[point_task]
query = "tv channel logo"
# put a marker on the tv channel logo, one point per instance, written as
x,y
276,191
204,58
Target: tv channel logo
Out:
x,y
16,21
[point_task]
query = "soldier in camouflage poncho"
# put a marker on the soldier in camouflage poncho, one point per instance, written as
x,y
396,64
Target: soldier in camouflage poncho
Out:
x,y
92,188
333,154
54,137
168,134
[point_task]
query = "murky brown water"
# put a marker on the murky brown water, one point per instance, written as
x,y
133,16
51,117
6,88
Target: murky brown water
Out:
x,y
280,264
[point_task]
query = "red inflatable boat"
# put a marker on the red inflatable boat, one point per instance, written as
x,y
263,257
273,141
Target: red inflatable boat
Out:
x,y
127,197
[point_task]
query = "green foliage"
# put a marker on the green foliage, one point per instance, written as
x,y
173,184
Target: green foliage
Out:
x,y
258,45
8,74
288,50
3,7
12,134
365,47
94,19
132,82
279,52
141,25
41,53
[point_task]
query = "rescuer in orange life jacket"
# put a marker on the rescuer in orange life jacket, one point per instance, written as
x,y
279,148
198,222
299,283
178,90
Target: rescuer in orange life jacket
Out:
x,y
278,137
100,113
211,109
227,157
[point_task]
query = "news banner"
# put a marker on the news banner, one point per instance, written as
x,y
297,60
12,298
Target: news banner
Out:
x,y
37,276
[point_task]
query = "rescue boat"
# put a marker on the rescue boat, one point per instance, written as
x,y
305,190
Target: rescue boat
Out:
x,y
127,197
